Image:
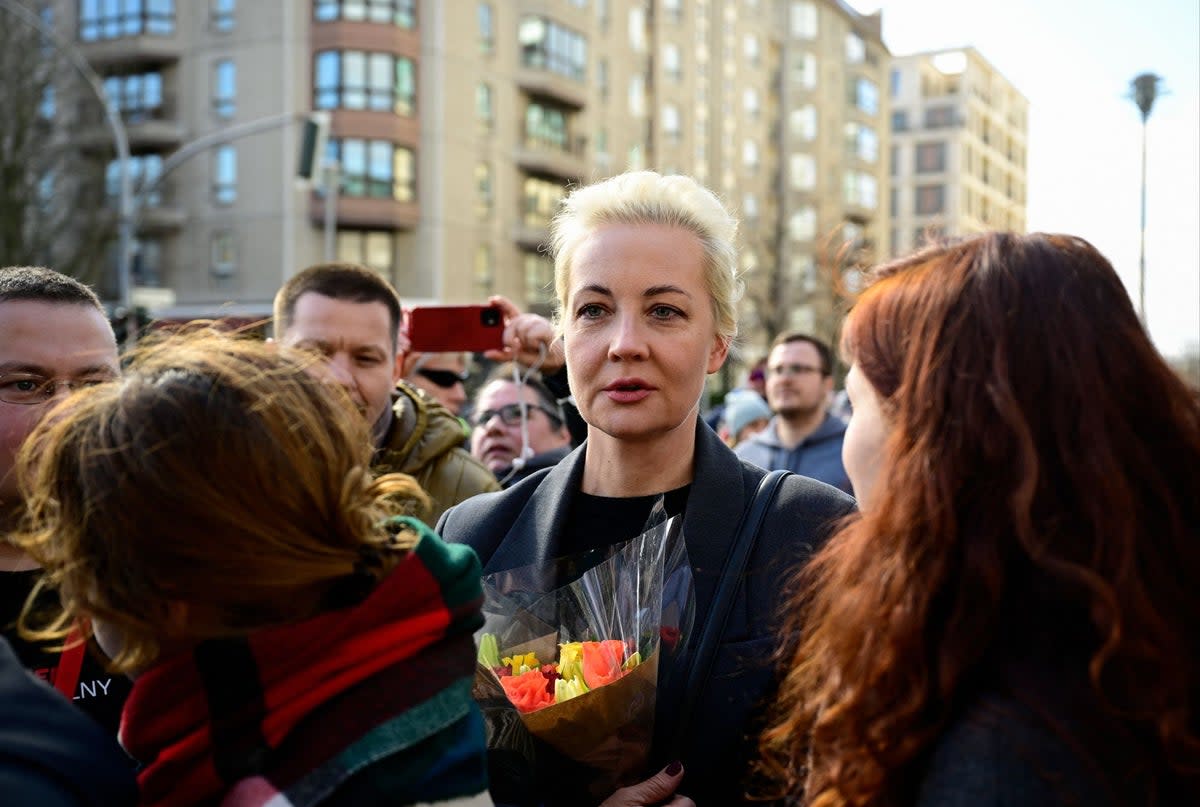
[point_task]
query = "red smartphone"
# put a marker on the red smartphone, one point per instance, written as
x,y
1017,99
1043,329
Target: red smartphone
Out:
x,y
452,328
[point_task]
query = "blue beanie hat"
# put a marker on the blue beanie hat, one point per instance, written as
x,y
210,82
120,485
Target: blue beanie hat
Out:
x,y
745,408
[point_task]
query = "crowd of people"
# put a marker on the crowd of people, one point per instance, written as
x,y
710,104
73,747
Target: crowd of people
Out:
x,y
255,566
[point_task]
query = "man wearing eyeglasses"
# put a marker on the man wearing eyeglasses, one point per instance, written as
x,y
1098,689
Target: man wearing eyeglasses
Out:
x,y
519,426
440,375
54,338
802,437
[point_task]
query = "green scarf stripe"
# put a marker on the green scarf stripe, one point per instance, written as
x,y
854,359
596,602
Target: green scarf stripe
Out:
x,y
398,735
455,566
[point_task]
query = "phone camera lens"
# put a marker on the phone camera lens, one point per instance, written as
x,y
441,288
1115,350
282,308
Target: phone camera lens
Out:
x,y
491,317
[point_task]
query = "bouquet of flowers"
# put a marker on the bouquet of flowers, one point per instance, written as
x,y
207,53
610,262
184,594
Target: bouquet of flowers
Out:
x,y
569,657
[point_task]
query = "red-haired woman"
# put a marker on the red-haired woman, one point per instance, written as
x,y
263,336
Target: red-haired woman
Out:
x,y
1013,618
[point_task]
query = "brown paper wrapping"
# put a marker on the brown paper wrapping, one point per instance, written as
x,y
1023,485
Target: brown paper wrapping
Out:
x,y
608,729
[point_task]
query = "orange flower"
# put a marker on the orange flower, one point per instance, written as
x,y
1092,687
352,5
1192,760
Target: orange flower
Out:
x,y
602,662
528,691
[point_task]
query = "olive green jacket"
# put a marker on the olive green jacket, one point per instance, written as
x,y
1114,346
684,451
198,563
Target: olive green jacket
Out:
x,y
425,441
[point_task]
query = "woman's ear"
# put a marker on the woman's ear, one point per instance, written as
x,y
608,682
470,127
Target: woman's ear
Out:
x,y
716,356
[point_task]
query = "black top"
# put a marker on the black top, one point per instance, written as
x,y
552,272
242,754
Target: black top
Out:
x,y
99,693
50,754
595,522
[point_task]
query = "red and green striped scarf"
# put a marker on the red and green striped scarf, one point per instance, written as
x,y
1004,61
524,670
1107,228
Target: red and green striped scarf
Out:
x,y
289,714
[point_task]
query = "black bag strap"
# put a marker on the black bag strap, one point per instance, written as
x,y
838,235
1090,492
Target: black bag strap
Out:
x,y
731,578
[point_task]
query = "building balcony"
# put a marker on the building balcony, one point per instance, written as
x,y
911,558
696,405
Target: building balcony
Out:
x,y
546,159
366,212
149,128
126,51
531,236
161,213
545,84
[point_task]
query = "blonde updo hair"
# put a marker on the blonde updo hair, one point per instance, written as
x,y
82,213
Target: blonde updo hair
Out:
x,y
646,197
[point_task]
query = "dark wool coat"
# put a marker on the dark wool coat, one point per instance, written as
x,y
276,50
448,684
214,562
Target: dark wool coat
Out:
x,y
521,525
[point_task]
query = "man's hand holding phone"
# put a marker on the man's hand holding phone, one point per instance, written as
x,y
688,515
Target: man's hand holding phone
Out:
x,y
525,336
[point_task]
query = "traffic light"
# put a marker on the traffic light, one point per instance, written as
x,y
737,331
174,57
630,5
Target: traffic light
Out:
x,y
312,147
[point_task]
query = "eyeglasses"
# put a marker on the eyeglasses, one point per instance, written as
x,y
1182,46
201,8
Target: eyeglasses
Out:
x,y
26,390
443,378
510,414
794,369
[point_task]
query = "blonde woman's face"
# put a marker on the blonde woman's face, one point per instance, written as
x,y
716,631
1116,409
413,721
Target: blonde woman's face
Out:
x,y
639,329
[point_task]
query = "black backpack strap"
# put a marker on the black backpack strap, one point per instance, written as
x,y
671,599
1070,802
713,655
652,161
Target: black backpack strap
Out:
x,y
731,578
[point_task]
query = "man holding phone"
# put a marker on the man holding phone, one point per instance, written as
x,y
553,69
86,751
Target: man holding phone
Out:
x,y
351,316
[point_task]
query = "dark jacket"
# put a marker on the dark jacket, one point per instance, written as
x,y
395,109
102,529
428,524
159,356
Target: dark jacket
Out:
x,y
521,526
425,441
51,755
819,455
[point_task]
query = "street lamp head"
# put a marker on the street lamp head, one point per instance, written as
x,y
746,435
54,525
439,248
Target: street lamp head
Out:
x,y
1145,91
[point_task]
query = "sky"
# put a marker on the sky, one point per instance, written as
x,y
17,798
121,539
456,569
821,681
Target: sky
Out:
x,y
1074,60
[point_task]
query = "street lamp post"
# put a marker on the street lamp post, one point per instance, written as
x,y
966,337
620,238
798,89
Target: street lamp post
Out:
x,y
1144,89
113,117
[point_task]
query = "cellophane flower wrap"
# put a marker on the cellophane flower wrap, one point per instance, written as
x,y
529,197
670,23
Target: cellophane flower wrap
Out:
x,y
569,662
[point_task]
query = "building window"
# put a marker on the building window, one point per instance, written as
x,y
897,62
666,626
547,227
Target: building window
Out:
x,y
673,10
487,28
938,117
805,71
894,82
539,279
856,51
931,157
374,249
483,190
375,168
147,262
541,201
862,142
865,95
750,155
546,127
750,207
637,96
803,122
484,274
672,66
546,45
930,199
401,13
750,102
138,97
225,88
802,225
751,50
671,126
894,161
894,203
143,170
803,170
637,29
484,111
602,79
223,12
861,189
353,79
804,19
114,19
225,175
224,253
900,120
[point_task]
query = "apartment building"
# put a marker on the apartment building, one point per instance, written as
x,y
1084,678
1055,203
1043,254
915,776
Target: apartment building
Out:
x,y
458,125
959,148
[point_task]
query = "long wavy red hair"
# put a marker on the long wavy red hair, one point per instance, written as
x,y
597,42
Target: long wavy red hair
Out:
x,y
1042,466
